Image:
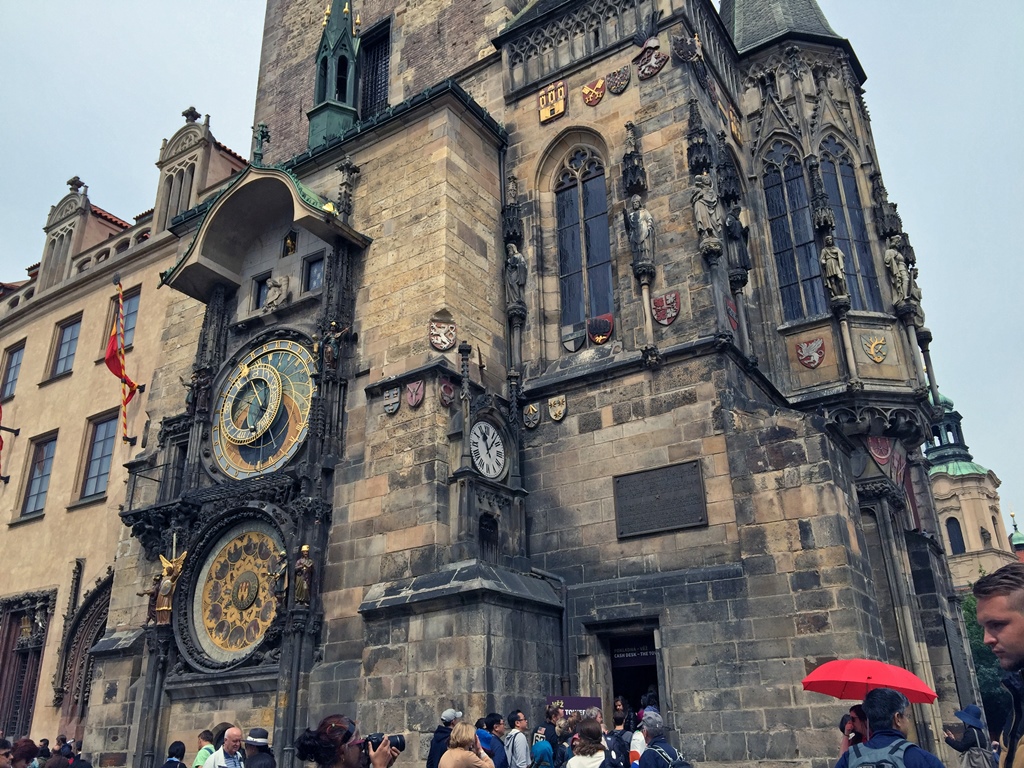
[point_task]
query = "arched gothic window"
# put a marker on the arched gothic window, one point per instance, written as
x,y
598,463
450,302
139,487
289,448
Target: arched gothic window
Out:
x,y
584,248
789,218
341,80
955,536
851,233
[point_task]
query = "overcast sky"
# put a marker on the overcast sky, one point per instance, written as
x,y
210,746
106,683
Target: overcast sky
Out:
x,y
91,89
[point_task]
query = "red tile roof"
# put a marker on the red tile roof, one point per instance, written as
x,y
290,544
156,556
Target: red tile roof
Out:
x,y
230,151
97,211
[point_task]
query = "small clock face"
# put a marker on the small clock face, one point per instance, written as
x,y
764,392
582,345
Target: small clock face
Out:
x,y
487,449
262,409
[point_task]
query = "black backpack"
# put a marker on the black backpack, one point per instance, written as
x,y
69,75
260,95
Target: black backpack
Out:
x,y
619,744
878,757
679,762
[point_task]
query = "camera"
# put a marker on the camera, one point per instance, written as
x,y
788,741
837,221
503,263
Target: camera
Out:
x,y
397,741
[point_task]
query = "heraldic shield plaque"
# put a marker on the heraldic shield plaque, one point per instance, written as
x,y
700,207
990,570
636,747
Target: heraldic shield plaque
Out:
x,y
663,499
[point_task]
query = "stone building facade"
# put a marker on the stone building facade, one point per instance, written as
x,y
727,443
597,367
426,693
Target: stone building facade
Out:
x,y
548,348
64,450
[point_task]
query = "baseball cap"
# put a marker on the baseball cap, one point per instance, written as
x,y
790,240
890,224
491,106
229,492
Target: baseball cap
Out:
x,y
450,715
652,720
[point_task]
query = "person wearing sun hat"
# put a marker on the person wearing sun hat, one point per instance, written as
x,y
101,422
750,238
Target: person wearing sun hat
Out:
x,y
973,744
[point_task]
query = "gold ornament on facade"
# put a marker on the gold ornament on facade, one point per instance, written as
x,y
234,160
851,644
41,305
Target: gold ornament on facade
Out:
x,y
875,347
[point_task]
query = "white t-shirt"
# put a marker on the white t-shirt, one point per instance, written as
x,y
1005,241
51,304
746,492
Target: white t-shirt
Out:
x,y
637,745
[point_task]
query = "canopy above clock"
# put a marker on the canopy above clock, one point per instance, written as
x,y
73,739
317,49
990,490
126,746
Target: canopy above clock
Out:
x,y
258,199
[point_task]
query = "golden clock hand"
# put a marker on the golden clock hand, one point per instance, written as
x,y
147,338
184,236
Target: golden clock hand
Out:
x,y
256,392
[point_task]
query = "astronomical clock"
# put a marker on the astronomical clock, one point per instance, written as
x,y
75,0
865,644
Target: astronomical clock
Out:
x,y
237,576
261,409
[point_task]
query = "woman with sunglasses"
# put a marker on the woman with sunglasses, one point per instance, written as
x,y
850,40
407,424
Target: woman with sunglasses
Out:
x,y
336,743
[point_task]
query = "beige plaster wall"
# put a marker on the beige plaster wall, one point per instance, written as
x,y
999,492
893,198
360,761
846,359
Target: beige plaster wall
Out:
x,y
41,550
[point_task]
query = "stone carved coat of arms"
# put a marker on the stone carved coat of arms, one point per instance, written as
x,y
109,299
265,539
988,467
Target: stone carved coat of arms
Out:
x,y
666,307
442,334
810,353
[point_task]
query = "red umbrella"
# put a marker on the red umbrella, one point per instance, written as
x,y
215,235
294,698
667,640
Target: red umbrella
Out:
x,y
853,678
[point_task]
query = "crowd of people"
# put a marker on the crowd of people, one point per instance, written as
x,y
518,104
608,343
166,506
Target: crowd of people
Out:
x,y
874,732
574,740
26,753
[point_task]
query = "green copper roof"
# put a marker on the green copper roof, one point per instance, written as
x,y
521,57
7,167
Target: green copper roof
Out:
x,y
958,469
944,401
1016,538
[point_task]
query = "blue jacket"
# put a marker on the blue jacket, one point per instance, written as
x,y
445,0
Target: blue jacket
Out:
x,y
651,759
914,757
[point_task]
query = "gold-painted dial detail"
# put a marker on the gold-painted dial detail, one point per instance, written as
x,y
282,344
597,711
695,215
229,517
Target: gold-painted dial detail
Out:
x,y
238,602
262,409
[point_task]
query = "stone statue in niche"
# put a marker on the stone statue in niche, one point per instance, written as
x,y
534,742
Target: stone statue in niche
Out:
x,y
630,138
151,593
279,579
640,226
277,293
896,266
332,345
737,234
515,275
303,577
705,207
833,268
197,399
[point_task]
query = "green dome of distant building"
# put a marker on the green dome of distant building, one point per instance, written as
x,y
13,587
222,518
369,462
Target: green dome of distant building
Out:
x,y
958,468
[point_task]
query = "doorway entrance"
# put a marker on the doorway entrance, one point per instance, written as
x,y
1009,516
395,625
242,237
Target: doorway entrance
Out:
x,y
634,666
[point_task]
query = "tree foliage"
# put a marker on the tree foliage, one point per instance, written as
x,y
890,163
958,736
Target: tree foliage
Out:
x,y
994,698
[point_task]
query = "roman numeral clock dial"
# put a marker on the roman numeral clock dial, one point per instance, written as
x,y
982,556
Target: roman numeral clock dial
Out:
x,y
487,448
262,409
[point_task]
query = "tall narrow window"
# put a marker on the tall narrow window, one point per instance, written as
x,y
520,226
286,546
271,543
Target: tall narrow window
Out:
x,y
376,72
956,536
584,249
313,272
101,449
12,367
131,314
789,218
321,81
67,343
341,80
39,475
851,233
260,291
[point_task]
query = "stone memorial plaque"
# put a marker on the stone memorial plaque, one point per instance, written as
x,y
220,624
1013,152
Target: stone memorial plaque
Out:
x,y
663,499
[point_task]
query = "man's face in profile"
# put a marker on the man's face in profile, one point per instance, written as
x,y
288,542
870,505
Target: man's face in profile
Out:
x,y
1001,618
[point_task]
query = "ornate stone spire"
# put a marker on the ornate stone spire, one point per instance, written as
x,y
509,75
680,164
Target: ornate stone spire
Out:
x,y
753,23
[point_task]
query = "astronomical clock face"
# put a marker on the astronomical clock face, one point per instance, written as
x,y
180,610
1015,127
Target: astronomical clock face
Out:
x,y
233,600
262,409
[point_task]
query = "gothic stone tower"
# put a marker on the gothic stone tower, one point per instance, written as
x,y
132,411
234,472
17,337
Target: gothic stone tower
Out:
x,y
580,343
